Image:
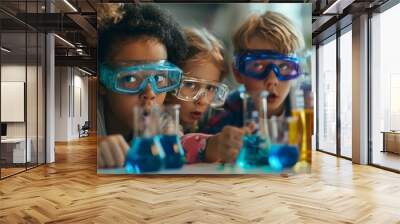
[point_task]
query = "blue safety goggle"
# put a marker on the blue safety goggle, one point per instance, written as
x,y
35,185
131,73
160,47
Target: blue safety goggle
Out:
x,y
162,76
258,64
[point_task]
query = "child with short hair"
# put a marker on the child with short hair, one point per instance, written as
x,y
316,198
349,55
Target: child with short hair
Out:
x,y
264,60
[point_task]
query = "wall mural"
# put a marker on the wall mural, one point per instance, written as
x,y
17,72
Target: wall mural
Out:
x,y
204,88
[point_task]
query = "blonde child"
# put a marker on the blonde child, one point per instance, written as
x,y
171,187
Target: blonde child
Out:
x,y
264,60
204,68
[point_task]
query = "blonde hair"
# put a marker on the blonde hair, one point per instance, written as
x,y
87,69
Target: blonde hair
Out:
x,y
203,46
271,26
109,13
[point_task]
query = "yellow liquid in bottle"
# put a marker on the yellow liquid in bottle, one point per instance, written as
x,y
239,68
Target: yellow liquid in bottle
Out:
x,y
305,119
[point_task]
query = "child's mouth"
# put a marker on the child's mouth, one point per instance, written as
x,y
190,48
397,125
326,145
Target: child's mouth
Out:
x,y
272,98
196,115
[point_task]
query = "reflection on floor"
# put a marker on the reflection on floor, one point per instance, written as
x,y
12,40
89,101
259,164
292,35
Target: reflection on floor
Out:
x,y
387,159
11,169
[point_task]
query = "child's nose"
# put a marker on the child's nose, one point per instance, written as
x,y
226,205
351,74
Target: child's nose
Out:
x,y
148,93
272,80
203,99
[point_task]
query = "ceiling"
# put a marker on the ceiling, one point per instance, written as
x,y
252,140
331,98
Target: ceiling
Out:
x,y
76,23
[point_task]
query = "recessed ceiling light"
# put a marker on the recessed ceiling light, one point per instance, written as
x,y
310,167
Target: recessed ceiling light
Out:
x,y
5,50
65,41
84,71
70,5
334,5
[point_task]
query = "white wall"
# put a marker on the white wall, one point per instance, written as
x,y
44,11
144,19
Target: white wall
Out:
x,y
14,73
61,103
80,111
33,127
71,93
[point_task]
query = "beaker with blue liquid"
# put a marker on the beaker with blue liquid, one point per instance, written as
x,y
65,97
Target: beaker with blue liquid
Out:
x,y
270,143
254,151
146,153
169,137
283,152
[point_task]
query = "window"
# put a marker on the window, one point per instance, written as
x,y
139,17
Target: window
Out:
x,y
346,93
22,75
385,89
327,96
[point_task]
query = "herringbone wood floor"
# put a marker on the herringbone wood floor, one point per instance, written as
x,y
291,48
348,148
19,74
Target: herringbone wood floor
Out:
x,y
69,191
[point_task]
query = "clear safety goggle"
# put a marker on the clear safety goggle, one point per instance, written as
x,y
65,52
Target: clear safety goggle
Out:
x,y
162,76
191,89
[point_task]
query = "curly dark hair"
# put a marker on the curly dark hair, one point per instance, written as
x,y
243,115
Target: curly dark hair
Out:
x,y
130,21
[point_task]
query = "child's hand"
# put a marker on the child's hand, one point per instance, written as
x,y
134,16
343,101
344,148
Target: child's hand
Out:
x,y
224,146
112,152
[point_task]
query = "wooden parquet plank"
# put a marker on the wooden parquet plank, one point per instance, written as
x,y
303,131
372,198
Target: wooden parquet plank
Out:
x,y
70,191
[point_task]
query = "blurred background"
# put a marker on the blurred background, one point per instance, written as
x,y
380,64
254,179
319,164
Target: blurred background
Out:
x,y
223,19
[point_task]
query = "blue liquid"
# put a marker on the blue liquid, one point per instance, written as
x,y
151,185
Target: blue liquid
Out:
x,y
254,152
283,156
174,154
145,155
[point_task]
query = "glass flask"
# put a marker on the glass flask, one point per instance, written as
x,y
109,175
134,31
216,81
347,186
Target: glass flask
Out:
x,y
254,151
170,137
283,152
146,153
